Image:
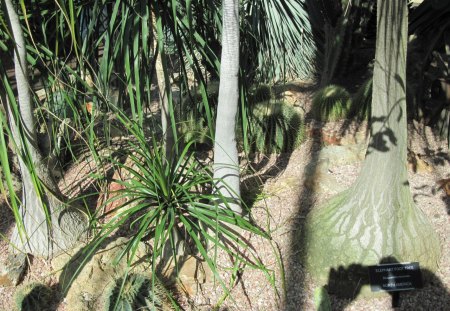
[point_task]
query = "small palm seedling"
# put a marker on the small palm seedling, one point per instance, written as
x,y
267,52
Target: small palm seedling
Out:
x,y
34,296
362,101
136,292
331,103
275,127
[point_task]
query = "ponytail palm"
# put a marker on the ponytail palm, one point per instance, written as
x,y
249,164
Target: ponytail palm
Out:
x,y
47,226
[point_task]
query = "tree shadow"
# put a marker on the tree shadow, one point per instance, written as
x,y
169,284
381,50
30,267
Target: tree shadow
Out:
x,y
261,170
296,256
348,282
78,263
6,219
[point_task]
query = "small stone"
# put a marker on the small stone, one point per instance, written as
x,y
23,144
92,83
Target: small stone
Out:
x,y
12,271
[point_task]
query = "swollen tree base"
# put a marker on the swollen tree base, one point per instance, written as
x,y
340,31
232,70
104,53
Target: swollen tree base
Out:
x,y
352,231
47,239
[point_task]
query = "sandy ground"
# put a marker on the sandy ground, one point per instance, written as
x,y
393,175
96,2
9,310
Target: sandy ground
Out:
x,y
280,208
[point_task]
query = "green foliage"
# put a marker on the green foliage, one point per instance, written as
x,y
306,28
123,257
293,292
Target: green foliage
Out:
x,y
331,103
278,34
322,299
173,202
191,117
339,28
135,292
57,125
34,296
362,101
274,128
260,93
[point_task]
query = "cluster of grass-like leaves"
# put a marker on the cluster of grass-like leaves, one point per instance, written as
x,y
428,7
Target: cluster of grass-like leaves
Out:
x,y
172,199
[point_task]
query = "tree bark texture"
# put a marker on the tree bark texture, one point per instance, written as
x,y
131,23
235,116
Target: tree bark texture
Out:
x,y
376,219
226,163
40,238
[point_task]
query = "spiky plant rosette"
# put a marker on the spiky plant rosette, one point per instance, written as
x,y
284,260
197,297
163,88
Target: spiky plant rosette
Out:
x,y
331,103
136,292
34,296
172,201
362,101
275,127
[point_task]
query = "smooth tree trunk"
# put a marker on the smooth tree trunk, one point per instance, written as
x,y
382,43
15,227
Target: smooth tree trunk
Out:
x,y
226,163
39,236
376,220
162,81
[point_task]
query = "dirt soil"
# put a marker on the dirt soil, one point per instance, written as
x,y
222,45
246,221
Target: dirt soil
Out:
x,y
280,207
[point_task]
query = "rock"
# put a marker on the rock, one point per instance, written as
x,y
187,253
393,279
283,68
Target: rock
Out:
x,y
360,137
319,180
107,199
12,271
100,271
284,184
322,183
192,273
317,176
343,155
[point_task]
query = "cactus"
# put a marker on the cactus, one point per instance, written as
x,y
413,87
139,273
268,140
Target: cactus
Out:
x,y
135,292
260,93
362,101
193,127
191,115
274,127
331,103
34,296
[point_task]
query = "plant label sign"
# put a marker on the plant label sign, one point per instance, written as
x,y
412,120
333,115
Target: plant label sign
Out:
x,y
395,277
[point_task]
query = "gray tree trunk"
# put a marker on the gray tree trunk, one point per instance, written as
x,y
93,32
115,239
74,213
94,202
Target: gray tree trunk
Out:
x,y
376,218
162,79
39,204
226,163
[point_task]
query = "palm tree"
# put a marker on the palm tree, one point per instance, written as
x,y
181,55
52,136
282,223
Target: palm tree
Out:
x,y
47,226
376,217
226,163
